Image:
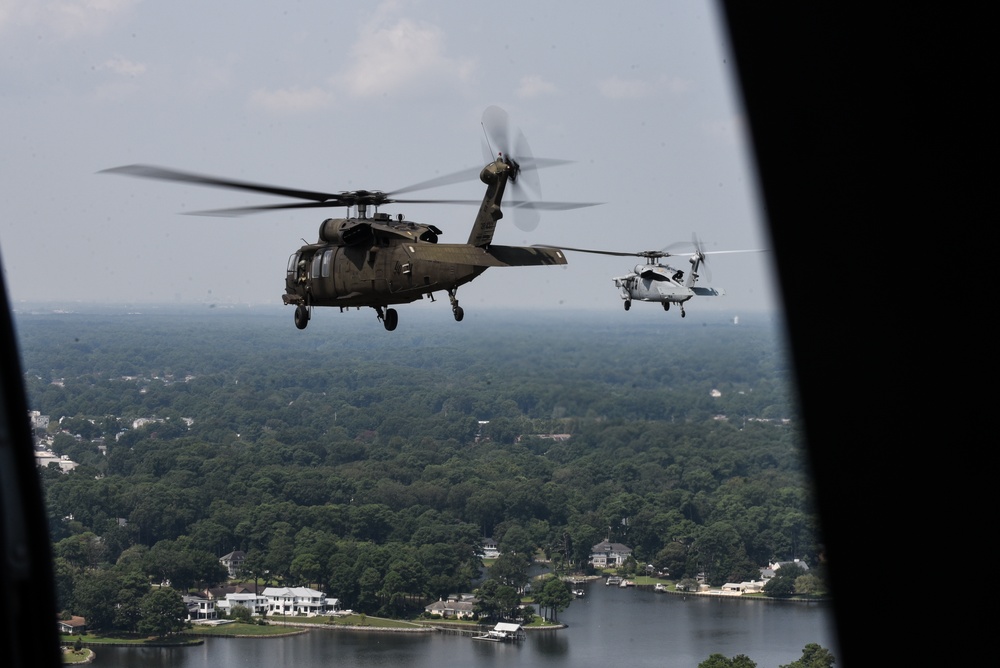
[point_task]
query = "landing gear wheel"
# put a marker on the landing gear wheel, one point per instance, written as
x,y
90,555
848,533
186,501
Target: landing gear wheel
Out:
x,y
666,306
628,304
301,316
683,314
391,319
455,308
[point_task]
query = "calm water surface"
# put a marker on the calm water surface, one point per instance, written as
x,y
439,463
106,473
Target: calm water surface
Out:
x,y
609,626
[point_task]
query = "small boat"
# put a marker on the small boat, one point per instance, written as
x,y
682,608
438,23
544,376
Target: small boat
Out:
x,y
578,593
614,580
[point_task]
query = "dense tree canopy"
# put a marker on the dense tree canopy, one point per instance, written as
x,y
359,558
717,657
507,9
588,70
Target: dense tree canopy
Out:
x,y
813,656
372,465
721,661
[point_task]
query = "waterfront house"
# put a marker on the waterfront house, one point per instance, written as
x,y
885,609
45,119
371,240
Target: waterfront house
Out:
x,y
768,572
200,607
732,589
255,603
453,608
73,626
608,555
295,601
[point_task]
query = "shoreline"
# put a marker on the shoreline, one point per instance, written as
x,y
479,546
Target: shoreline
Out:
x,y
153,643
736,597
203,635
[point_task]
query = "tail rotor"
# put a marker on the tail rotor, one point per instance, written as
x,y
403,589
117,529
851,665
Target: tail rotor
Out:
x,y
698,261
511,144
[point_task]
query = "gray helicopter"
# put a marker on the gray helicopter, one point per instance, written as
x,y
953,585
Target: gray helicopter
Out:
x,y
661,283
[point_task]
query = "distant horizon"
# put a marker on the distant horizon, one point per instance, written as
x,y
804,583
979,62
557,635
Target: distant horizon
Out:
x,y
221,303
639,313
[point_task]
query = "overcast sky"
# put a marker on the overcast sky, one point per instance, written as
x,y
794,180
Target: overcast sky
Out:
x,y
331,96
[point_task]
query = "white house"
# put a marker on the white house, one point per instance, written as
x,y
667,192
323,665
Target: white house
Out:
x,y
233,562
295,601
200,607
607,554
73,626
490,549
255,603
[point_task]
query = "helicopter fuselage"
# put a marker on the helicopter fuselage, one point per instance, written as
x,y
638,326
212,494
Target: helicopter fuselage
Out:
x,y
379,275
654,283
379,261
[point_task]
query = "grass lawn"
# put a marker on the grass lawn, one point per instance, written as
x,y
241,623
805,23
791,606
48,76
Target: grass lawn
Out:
x,y
71,656
540,622
377,622
347,620
239,629
94,639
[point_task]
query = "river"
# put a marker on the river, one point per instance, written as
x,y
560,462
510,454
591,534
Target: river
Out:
x,y
608,626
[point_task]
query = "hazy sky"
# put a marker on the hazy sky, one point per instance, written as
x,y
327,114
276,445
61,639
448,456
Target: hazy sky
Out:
x,y
327,95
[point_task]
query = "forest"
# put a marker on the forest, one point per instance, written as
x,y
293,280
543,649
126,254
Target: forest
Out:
x,y
371,465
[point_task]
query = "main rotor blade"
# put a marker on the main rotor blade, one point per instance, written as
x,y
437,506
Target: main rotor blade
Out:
x,y
468,174
551,206
648,254
236,211
745,250
471,174
590,250
166,174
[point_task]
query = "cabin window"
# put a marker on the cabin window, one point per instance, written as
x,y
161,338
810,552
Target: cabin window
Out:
x,y
293,262
317,262
327,259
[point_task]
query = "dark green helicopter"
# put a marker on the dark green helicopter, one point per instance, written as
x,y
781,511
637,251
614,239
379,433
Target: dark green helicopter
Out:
x,y
380,261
